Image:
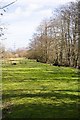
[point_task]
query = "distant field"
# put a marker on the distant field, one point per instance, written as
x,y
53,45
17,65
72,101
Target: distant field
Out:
x,y
37,90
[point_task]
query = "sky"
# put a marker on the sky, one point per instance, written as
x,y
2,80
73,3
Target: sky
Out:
x,y
23,17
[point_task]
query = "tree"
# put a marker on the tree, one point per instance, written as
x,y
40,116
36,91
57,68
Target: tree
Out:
x,y
57,40
79,34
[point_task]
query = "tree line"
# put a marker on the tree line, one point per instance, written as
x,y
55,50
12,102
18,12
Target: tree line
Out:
x,y
57,40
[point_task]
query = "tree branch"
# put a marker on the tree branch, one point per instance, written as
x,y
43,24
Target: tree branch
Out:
x,y
8,4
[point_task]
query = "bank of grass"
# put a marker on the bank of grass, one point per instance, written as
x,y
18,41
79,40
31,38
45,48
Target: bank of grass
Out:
x,y
36,90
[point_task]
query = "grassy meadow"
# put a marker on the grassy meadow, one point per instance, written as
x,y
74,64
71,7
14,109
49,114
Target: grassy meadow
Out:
x,y
36,90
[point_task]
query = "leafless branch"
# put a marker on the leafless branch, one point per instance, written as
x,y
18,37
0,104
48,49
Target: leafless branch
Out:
x,y
8,4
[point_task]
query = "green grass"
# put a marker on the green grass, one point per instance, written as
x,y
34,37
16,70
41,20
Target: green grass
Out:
x,y
36,90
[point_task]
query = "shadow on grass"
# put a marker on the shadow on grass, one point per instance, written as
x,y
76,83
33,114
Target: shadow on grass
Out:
x,y
42,110
64,73
58,94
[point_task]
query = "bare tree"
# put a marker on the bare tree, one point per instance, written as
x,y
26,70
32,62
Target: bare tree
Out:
x,y
57,40
79,34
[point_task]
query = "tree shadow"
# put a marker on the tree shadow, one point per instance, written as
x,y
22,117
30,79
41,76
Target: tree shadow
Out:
x,y
43,110
59,94
61,109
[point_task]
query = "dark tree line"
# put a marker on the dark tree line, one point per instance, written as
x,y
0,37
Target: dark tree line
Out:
x,y
57,40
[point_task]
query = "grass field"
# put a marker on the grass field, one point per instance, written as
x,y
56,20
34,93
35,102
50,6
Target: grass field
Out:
x,y
37,90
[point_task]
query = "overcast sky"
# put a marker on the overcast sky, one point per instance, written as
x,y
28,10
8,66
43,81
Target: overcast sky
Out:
x,y
23,17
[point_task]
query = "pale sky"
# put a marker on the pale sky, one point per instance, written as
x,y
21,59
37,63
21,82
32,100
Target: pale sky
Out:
x,y
23,17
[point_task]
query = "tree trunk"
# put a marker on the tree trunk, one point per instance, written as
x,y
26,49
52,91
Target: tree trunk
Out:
x,y
79,34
